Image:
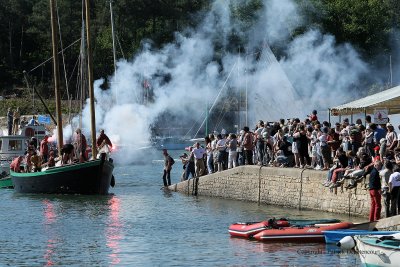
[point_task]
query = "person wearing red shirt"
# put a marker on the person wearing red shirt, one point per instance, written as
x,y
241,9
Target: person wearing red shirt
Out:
x,y
103,140
16,164
44,148
80,145
313,116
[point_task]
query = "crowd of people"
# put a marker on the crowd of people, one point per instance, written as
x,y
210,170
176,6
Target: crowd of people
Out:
x,y
348,152
39,155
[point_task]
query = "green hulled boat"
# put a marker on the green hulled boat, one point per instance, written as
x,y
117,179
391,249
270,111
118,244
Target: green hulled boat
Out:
x,y
89,178
6,182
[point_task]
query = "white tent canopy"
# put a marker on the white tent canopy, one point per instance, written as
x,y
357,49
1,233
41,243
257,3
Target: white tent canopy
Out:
x,y
388,99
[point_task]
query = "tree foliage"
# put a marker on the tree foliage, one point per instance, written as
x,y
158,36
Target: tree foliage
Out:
x,y
25,33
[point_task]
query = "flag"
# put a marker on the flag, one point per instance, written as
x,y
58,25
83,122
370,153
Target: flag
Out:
x,y
44,119
146,84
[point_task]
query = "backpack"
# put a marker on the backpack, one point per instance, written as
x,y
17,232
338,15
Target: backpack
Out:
x,y
171,160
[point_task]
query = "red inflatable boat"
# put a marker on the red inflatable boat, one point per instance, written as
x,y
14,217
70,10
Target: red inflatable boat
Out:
x,y
249,229
299,234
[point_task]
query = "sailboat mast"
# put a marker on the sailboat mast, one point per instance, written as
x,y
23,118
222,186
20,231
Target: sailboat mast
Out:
x,y
56,74
90,81
113,38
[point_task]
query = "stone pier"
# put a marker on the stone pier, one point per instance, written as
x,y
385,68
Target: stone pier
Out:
x,y
286,187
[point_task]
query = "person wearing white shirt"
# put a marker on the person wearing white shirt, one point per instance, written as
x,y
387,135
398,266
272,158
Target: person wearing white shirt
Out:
x,y
394,187
198,153
385,175
221,147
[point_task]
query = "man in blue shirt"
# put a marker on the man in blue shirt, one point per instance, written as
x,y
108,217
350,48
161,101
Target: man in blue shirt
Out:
x,y
379,133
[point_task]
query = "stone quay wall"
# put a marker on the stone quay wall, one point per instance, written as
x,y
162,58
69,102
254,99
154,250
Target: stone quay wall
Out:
x,y
286,187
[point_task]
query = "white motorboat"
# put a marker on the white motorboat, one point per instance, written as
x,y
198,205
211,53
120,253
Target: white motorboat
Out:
x,y
378,250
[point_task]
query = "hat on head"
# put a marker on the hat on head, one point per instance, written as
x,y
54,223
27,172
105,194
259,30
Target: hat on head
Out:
x,y
389,124
183,155
376,148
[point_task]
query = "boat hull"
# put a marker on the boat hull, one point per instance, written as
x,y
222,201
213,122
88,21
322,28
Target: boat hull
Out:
x,y
6,182
299,234
249,229
385,253
89,178
334,236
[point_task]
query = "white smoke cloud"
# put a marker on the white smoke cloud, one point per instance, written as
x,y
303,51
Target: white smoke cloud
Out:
x,y
185,75
323,70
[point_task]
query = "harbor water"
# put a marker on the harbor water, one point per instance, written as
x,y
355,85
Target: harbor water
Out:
x,y
140,224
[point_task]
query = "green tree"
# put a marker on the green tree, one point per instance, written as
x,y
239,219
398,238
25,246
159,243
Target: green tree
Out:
x,y
364,23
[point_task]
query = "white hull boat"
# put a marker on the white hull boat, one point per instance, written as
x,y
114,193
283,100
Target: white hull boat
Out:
x,y
378,251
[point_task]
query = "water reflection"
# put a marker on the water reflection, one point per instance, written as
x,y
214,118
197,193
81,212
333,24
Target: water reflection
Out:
x,y
166,192
113,230
49,219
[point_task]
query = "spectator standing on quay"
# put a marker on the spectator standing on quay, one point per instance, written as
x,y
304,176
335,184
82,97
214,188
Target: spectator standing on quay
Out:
x,y
190,168
210,146
248,146
385,175
232,153
198,153
184,159
221,147
394,187
391,138
168,162
375,192
260,142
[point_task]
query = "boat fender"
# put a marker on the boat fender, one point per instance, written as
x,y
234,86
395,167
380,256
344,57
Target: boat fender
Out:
x,y
112,183
281,224
346,242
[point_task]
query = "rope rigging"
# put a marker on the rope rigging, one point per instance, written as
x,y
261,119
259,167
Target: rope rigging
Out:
x,y
216,98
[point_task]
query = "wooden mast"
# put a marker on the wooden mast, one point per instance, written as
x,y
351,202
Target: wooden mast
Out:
x,y
54,40
90,81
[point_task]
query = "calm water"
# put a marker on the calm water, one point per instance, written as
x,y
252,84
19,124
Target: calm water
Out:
x,y
141,225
